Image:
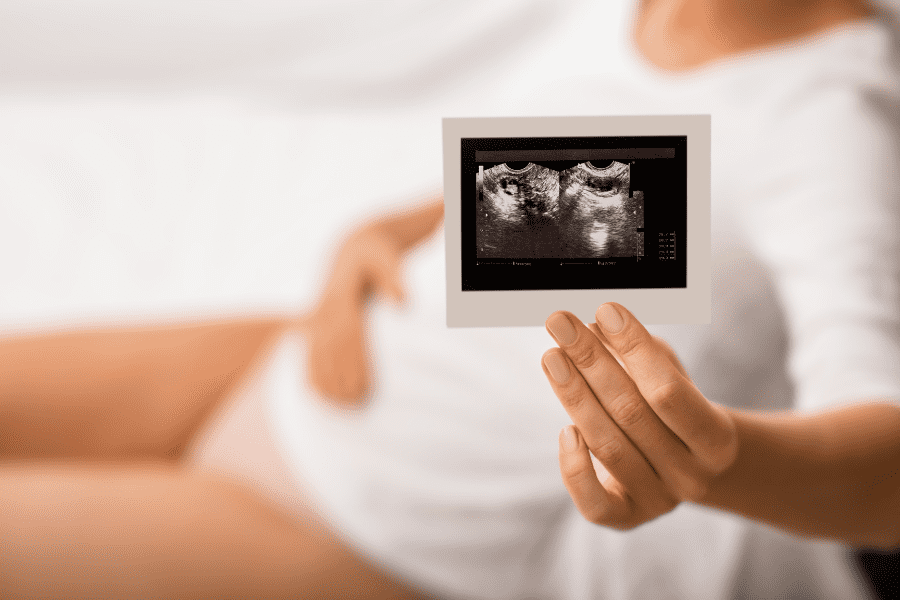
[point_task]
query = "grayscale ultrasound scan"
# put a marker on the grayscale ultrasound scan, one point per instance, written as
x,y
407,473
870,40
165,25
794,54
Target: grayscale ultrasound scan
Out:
x,y
574,213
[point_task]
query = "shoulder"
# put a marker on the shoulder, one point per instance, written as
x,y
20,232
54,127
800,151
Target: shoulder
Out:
x,y
836,90
829,129
823,150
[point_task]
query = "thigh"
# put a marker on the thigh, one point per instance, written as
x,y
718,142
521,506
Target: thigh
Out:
x,y
236,442
154,530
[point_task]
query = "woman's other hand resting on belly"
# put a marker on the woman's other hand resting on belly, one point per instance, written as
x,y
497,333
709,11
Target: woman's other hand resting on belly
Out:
x,y
368,263
832,474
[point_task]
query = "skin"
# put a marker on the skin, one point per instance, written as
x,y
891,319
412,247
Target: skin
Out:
x,y
97,501
115,394
680,35
634,408
369,263
122,530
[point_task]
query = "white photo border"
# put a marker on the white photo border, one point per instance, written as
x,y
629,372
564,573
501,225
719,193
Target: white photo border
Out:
x,y
689,305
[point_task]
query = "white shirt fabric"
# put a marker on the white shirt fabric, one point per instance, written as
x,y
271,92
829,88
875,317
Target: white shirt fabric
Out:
x,y
451,476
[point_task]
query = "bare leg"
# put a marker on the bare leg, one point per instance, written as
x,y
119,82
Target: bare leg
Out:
x,y
122,393
154,530
123,524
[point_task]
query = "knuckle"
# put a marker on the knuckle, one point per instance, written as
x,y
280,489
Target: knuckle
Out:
x,y
610,453
692,487
577,469
597,513
575,399
665,397
719,447
585,353
628,409
629,345
719,459
664,503
662,344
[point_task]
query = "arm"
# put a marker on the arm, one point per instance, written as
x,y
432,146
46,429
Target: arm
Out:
x,y
835,474
368,262
832,474
119,391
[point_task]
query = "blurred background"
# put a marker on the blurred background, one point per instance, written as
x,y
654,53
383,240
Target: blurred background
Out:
x,y
176,158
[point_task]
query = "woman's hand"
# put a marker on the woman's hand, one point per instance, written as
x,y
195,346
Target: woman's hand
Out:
x,y
637,411
369,263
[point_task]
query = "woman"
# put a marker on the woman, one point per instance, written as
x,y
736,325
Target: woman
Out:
x,y
805,294
477,513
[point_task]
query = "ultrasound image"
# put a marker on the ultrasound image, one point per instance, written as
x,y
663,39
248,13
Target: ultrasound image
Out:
x,y
518,210
598,216
525,210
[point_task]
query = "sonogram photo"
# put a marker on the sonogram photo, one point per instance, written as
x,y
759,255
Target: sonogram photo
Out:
x,y
525,210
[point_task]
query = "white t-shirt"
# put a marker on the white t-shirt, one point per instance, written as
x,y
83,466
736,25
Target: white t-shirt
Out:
x,y
450,477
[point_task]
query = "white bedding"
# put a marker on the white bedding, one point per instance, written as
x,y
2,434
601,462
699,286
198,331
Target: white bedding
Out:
x,y
171,159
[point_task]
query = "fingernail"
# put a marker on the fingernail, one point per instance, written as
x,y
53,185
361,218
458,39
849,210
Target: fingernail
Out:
x,y
567,439
610,319
560,326
558,367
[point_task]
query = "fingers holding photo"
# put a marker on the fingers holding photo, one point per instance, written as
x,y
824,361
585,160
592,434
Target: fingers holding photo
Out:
x,y
705,428
602,397
611,507
639,413
633,493
663,345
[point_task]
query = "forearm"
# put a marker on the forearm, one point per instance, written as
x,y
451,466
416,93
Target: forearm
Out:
x,y
94,391
832,475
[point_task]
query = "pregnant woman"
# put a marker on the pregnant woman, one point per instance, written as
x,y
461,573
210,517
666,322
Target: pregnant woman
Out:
x,y
449,483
